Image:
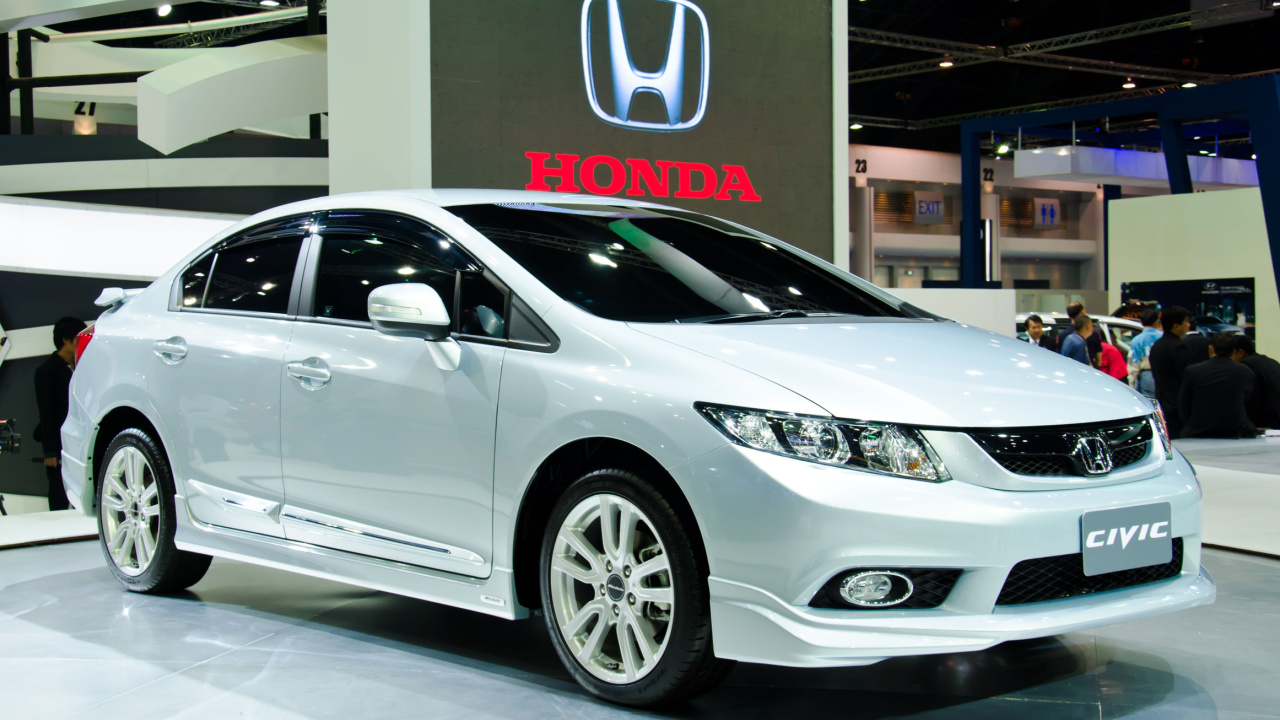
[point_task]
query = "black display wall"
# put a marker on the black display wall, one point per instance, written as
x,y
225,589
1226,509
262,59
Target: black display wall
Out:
x,y
510,93
33,300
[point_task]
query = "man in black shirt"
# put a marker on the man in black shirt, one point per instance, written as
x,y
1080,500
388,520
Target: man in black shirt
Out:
x,y
1214,392
53,382
1197,345
1169,361
1264,404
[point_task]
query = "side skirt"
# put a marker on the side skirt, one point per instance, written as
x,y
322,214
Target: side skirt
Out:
x,y
492,596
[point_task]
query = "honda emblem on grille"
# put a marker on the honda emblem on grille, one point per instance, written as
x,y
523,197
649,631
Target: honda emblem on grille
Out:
x,y
628,81
1094,455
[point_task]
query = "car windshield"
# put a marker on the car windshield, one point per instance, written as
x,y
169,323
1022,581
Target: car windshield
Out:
x,y
661,265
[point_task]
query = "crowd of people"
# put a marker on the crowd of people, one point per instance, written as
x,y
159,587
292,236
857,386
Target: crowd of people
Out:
x,y
1207,386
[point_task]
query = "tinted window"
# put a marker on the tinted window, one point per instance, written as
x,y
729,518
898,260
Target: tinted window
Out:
x,y
363,250
255,277
482,307
640,264
194,281
353,264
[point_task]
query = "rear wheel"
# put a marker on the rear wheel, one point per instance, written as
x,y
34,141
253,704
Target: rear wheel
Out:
x,y
136,518
624,595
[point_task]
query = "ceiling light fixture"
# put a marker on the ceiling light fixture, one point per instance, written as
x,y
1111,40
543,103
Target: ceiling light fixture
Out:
x,y
1004,148
856,126
1188,85
945,63
269,3
1129,84
164,10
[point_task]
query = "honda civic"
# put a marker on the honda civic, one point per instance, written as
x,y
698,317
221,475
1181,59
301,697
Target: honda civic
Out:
x,y
678,441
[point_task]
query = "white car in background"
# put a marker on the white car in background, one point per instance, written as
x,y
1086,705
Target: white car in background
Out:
x,y
1117,331
686,442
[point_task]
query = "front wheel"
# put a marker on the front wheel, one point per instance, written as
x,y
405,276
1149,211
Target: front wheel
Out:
x,y
624,595
136,518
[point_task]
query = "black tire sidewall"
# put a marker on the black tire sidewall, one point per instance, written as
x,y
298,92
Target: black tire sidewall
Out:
x,y
668,681
166,553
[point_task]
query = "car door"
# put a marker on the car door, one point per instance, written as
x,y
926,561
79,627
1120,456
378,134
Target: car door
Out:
x,y
214,374
384,452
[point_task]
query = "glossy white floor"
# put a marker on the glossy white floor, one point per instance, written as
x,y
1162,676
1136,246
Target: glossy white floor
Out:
x,y
257,643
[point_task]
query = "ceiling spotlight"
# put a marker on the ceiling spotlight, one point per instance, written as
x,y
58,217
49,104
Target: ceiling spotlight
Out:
x,y
945,63
1188,85
1004,148
856,126
164,10
1129,84
1197,137
1204,152
1254,156
269,3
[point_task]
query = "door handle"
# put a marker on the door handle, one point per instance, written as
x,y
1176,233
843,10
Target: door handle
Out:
x,y
171,350
313,372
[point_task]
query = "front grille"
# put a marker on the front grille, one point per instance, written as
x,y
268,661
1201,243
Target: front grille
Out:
x,y
1054,450
932,585
1055,578
1129,455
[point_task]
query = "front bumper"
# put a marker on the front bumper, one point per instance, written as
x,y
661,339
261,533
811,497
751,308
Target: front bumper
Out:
x,y
776,529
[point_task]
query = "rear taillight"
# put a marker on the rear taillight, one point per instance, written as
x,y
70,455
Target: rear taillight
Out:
x,y
82,342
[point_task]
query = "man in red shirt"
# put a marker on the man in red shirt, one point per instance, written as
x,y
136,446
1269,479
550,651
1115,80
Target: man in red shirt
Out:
x,y
1113,362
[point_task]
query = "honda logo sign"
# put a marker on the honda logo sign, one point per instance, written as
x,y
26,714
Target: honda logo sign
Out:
x,y
668,82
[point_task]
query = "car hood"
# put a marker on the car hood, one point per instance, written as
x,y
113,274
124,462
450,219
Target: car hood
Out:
x,y
940,374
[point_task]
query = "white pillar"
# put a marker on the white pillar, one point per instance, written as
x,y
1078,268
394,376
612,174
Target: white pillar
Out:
x,y
379,95
864,221
840,133
991,211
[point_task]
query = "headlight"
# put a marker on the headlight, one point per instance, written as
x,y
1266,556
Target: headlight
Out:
x,y
877,447
1162,429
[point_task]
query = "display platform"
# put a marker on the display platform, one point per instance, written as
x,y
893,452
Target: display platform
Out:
x,y
259,643
26,525
1241,481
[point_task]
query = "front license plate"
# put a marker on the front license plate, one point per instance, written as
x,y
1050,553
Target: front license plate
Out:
x,y
1126,538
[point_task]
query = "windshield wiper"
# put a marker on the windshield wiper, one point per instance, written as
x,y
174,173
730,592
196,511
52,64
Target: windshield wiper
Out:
x,y
751,317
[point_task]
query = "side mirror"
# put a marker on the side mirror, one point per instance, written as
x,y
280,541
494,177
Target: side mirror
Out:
x,y
409,310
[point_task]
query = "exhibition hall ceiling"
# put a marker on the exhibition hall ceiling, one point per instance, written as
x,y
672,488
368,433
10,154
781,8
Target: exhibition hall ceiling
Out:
x,y
1236,41
899,92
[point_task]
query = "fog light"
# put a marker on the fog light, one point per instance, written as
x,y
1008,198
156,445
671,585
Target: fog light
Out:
x,y
876,588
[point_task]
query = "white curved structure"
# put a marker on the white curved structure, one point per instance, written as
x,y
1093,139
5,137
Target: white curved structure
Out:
x,y
211,93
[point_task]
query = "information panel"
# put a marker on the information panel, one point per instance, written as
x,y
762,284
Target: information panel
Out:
x,y
717,106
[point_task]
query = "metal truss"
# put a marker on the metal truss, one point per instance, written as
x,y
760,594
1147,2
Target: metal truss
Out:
x,y
1133,29
915,42
1038,53
255,5
946,120
915,68
1108,67
211,38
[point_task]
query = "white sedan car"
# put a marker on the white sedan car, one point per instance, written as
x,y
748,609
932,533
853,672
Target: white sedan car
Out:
x,y
685,442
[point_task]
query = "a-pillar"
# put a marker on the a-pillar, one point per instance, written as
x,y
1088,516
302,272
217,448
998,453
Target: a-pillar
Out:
x,y
379,95
862,257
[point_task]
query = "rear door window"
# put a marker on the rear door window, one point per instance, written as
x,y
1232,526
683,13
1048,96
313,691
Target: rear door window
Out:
x,y
253,277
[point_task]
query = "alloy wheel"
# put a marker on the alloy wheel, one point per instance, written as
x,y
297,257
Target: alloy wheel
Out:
x,y
130,511
611,589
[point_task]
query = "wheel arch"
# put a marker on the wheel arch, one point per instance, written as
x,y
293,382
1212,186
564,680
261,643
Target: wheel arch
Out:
x,y
117,419
555,474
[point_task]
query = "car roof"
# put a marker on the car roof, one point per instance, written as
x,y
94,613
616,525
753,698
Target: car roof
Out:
x,y
1110,319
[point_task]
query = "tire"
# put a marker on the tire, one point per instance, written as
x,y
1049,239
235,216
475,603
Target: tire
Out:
x,y
598,614
137,520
